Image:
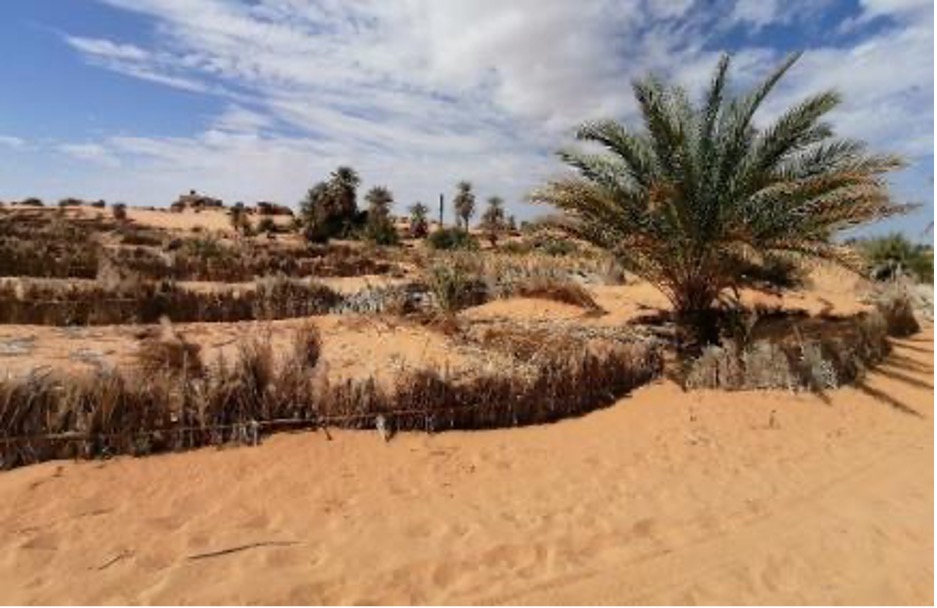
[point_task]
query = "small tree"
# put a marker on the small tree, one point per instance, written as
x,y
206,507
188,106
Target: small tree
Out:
x,y
380,227
493,223
464,203
419,225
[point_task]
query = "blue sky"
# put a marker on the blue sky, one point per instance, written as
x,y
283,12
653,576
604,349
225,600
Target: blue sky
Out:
x,y
139,100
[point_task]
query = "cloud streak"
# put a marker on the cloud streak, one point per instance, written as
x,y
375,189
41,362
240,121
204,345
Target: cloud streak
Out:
x,y
418,94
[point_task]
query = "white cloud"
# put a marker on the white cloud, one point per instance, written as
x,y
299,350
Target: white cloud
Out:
x,y
90,152
419,93
11,141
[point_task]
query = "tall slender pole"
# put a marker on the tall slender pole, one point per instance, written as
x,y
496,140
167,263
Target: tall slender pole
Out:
x,y
440,210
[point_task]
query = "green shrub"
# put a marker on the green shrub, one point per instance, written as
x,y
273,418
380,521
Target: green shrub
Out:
x,y
555,246
448,239
894,255
454,286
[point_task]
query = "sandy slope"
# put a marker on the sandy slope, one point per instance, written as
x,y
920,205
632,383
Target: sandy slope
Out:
x,y
666,497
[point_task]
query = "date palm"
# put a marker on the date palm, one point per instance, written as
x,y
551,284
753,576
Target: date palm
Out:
x,y
419,226
492,221
702,187
464,203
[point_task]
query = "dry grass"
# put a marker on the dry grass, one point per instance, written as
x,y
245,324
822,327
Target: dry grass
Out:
x,y
67,303
817,361
897,306
43,417
168,353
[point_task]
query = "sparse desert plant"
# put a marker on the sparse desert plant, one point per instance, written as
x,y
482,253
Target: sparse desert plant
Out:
x,y
71,202
119,211
32,201
99,204
702,187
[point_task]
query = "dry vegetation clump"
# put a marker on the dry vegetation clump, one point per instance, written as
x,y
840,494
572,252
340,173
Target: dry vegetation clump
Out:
x,y
146,237
564,291
44,417
459,279
899,302
209,259
39,244
455,284
814,359
405,299
72,303
899,316
168,353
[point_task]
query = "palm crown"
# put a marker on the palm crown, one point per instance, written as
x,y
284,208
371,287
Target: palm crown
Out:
x,y
701,187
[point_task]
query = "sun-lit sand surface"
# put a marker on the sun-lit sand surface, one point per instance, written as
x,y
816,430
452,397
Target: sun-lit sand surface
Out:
x,y
666,497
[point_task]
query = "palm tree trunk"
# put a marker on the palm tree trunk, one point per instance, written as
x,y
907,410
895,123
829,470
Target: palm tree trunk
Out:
x,y
696,318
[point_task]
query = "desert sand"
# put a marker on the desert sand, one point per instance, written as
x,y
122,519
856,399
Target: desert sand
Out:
x,y
666,497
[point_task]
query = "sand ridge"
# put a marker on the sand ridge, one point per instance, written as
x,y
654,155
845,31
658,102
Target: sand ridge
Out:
x,y
667,497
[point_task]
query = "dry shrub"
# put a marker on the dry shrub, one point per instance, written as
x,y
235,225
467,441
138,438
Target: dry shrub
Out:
x,y
566,292
566,384
307,345
42,245
455,285
169,353
68,303
896,307
42,417
797,362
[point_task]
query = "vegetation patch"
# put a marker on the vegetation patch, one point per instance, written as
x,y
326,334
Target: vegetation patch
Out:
x,y
54,303
44,417
813,359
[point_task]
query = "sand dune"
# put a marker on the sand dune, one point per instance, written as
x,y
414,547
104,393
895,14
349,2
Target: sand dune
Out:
x,y
666,497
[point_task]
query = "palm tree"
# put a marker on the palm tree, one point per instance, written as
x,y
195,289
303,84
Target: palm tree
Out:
x,y
344,183
379,201
380,227
701,187
493,223
464,203
419,225
330,208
